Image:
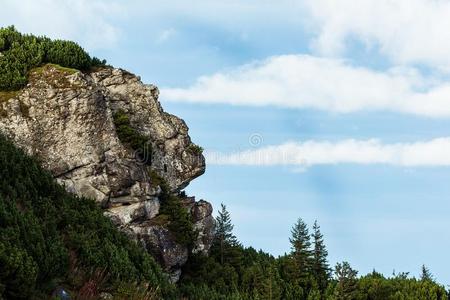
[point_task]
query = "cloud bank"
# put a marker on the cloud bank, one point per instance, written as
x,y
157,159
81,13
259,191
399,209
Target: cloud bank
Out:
x,y
406,31
304,81
430,153
399,30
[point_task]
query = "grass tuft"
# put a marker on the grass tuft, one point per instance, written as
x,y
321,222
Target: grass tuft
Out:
x,y
40,70
7,95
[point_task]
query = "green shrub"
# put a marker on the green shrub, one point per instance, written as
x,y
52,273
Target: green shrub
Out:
x,y
130,137
43,228
67,54
195,149
172,212
180,220
20,53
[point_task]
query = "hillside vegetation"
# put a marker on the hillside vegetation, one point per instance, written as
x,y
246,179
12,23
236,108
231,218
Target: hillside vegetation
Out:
x,y
235,272
20,53
51,238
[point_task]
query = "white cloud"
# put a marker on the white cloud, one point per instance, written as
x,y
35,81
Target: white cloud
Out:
x,y
407,31
88,22
303,81
434,152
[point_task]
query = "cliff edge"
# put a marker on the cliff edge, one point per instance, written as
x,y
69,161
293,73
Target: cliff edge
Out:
x,y
68,119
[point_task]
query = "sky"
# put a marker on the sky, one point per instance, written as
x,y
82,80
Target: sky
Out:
x,y
335,111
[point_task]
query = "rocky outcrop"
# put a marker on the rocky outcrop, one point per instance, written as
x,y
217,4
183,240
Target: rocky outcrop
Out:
x,y
65,118
159,241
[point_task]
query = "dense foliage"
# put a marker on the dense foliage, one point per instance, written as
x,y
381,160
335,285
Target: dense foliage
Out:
x,y
46,234
20,53
235,272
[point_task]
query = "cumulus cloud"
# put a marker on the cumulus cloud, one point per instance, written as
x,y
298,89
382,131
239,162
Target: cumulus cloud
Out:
x,y
406,31
304,81
89,22
434,152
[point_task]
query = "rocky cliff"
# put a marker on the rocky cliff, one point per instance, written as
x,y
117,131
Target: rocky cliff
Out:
x,y
66,119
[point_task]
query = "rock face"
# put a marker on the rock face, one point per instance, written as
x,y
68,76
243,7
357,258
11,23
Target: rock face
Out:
x,y
66,120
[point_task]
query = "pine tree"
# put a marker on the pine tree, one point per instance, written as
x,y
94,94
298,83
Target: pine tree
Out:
x,y
301,250
224,239
347,286
426,274
271,285
320,266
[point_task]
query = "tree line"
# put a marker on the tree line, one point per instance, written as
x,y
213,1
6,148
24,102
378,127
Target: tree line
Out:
x,y
235,272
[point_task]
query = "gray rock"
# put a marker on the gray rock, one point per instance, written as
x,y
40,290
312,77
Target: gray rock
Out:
x,y
66,120
159,241
204,223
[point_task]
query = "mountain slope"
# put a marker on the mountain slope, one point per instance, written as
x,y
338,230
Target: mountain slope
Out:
x,y
46,234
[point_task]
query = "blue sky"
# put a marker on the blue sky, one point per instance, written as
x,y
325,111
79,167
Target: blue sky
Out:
x,y
316,109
